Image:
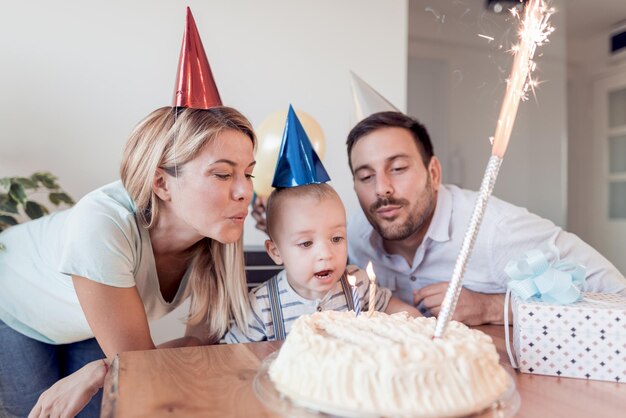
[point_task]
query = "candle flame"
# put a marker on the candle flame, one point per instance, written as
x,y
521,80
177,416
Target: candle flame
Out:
x,y
370,272
351,279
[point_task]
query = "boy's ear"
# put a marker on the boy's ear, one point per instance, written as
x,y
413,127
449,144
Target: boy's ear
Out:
x,y
160,185
272,251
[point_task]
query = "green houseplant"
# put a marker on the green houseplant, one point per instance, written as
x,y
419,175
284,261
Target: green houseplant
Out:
x,y
16,201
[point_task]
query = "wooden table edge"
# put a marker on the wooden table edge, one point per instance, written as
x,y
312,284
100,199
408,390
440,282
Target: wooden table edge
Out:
x,y
110,389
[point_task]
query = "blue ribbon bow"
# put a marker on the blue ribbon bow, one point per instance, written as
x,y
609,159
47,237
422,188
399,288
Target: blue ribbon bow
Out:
x,y
555,281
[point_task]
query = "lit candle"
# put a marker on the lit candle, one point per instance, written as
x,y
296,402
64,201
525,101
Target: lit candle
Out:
x,y
355,295
372,277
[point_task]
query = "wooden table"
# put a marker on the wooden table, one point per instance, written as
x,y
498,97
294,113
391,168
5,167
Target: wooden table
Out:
x,y
216,381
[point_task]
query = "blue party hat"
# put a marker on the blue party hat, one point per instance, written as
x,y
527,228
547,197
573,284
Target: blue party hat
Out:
x,y
298,163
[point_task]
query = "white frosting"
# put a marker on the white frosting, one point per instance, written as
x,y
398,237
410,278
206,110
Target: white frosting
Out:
x,y
387,365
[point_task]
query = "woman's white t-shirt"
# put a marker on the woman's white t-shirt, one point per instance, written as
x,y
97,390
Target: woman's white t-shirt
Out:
x,y
100,239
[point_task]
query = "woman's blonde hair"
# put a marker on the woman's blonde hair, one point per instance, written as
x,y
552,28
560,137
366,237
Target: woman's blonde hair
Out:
x,y
167,139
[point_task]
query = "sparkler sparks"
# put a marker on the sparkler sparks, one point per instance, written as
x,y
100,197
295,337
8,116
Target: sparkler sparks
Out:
x,y
535,28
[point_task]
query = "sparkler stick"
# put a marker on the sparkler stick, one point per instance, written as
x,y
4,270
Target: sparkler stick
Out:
x,y
534,31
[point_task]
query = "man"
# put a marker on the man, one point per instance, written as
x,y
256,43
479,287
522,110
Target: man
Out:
x,y
411,226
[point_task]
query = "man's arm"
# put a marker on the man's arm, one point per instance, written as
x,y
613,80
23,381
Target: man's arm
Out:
x,y
472,308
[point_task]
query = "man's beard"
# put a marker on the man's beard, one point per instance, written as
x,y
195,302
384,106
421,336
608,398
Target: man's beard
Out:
x,y
415,221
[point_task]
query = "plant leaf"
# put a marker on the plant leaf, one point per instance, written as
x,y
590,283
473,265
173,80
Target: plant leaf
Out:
x,y
59,197
8,220
45,178
54,198
2,247
5,182
17,193
25,182
7,204
34,210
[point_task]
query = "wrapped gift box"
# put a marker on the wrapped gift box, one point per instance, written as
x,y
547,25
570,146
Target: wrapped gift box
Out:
x,y
586,339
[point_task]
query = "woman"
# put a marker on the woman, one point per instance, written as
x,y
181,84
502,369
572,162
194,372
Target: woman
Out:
x,y
127,253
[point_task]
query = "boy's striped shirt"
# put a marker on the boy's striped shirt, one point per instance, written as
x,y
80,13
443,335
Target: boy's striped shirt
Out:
x,y
260,325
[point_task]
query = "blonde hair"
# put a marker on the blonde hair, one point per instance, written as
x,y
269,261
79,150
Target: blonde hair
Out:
x,y
168,138
318,191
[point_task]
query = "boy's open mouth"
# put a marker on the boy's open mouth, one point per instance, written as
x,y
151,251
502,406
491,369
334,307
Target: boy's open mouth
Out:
x,y
323,274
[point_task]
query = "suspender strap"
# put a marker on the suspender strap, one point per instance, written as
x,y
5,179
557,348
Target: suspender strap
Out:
x,y
276,309
347,291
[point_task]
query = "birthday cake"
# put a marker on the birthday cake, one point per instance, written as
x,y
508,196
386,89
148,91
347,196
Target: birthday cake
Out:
x,y
387,365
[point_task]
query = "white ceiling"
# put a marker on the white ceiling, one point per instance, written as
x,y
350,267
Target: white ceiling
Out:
x,y
584,18
590,17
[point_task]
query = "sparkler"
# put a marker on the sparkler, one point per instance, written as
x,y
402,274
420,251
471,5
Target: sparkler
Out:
x,y
534,32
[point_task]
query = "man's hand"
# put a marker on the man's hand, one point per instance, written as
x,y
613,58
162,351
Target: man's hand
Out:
x,y
68,396
258,212
472,308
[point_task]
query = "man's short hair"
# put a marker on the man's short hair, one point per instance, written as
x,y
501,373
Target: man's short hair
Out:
x,y
392,120
272,211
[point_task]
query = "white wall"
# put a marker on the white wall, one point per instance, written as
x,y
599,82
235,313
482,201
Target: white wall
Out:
x,y
588,62
76,76
456,84
587,59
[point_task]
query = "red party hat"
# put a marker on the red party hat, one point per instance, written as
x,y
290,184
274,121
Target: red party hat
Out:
x,y
195,86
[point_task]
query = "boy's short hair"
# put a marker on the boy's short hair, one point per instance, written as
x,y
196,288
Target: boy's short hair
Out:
x,y
278,196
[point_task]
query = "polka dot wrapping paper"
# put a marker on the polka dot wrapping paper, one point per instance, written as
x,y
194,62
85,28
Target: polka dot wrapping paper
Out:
x,y
585,339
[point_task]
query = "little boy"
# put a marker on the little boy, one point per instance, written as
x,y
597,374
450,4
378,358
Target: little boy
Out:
x,y
307,233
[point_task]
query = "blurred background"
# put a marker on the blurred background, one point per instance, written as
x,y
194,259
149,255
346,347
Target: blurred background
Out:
x,y
76,76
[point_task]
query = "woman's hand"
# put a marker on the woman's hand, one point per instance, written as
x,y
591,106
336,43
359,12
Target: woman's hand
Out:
x,y
68,396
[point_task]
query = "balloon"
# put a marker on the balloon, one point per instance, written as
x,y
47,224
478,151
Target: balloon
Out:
x,y
269,137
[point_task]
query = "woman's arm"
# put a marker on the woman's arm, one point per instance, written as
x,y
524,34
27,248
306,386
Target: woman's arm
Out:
x,y
116,316
118,320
